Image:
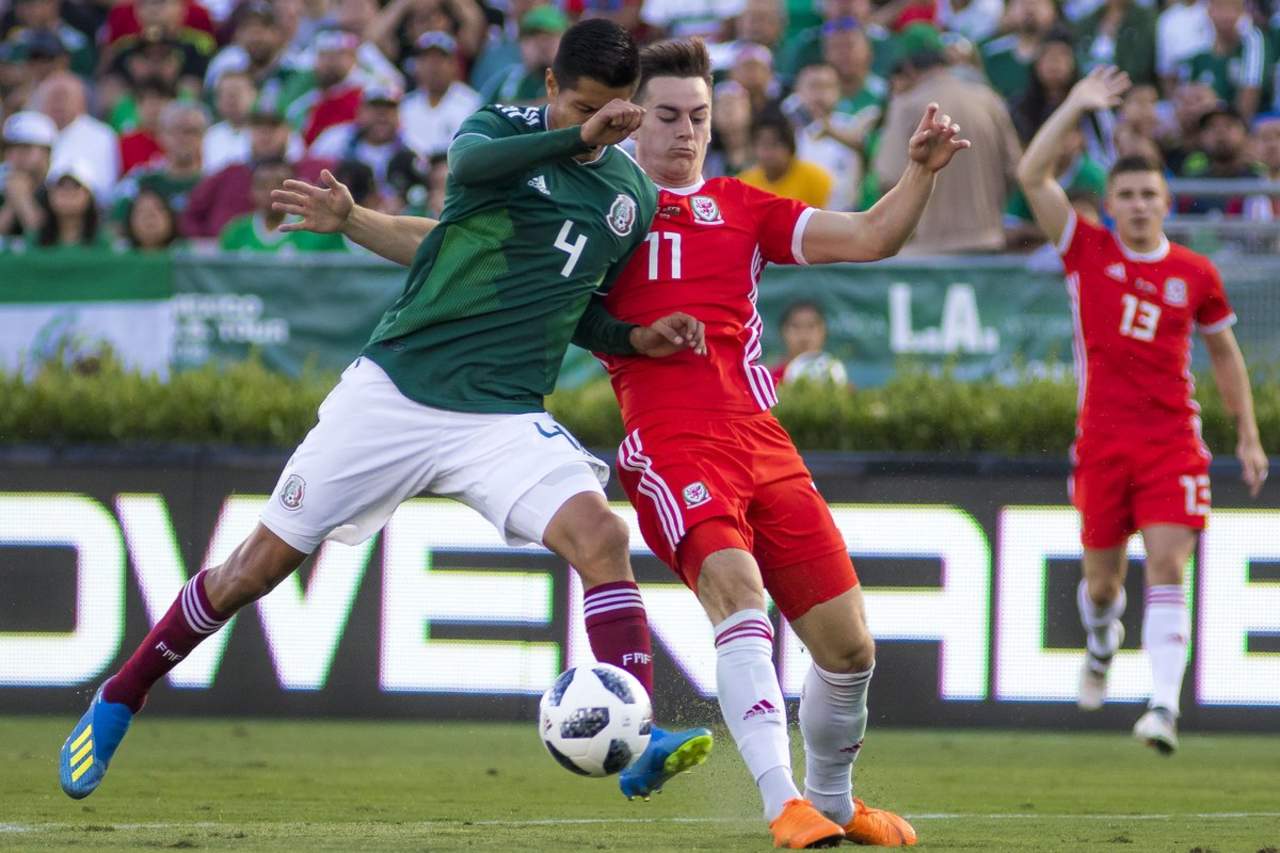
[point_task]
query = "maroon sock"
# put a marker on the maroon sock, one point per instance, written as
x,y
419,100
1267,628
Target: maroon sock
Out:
x,y
188,621
619,630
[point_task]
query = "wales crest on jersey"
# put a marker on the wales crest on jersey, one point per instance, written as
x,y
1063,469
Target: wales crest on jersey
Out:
x,y
705,210
622,215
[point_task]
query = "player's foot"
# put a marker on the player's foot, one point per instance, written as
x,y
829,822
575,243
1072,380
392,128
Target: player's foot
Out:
x,y
88,749
801,826
1158,728
669,753
878,828
1093,675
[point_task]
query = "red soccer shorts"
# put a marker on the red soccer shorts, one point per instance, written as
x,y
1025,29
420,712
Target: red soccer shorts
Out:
x,y
743,485
1121,485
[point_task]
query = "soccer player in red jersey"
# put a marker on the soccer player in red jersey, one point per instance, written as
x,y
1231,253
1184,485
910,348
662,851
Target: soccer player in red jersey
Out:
x,y
722,496
1140,464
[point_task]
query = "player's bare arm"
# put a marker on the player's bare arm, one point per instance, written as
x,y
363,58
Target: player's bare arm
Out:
x,y
1232,378
1101,90
330,209
881,231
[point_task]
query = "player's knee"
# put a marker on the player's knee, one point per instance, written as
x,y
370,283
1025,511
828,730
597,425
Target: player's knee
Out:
x,y
252,571
1103,589
601,549
1164,570
849,651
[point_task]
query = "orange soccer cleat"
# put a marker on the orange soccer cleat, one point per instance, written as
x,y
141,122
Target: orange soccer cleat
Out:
x,y
878,827
801,826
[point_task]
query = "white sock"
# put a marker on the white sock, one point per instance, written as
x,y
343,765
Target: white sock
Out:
x,y
1165,629
1097,621
752,705
833,719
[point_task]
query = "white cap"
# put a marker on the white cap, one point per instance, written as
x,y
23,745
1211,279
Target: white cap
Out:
x,y
77,168
30,128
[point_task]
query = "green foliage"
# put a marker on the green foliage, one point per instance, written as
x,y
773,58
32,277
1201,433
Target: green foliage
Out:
x,y
249,405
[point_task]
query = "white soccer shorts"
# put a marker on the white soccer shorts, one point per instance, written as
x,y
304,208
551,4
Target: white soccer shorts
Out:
x,y
374,448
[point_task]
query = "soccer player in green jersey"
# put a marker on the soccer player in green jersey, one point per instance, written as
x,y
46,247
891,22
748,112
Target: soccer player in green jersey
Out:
x,y
541,211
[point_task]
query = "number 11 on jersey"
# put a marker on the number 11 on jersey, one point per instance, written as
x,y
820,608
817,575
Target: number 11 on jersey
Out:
x,y
654,239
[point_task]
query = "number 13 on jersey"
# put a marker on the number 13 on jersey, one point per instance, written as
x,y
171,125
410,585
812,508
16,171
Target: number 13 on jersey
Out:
x,y
1140,318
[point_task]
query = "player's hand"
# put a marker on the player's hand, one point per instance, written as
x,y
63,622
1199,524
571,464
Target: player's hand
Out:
x,y
1253,464
612,123
323,209
669,335
936,140
1102,89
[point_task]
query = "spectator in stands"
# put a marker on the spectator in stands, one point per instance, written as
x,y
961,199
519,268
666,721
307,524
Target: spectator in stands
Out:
x,y
432,114
1120,33
778,170
752,69
401,23
833,140
163,37
358,178
28,139
359,18
807,46
330,92
16,81
1052,76
980,189
373,138
152,225
257,49
1132,142
1140,111
224,195
804,334
730,150
1266,151
525,82
976,20
624,13
127,19
710,19
141,145
501,48
61,96
1236,65
762,22
847,49
437,175
1224,153
70,210
1191,101
260,231
44,16
1077,173
182,128
1008,59
227,141
1183,30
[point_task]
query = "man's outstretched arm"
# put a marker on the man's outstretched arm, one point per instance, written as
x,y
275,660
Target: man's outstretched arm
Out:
x,y
330,209
881,231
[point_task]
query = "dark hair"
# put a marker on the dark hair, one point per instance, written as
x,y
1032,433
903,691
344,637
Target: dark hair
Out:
x,y
271,163
801,305
48,235
1035,106
157,86
600,50
1131,163
774,120
132,236
359,179
681,58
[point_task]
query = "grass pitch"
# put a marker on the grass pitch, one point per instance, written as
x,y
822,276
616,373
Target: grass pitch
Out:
x,y
309,786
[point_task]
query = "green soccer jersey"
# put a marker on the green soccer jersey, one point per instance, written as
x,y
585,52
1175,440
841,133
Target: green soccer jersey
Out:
x,y
497,288
1242,68
1008,72
250,233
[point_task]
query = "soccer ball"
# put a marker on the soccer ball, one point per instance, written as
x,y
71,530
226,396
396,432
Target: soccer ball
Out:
x,y
595,720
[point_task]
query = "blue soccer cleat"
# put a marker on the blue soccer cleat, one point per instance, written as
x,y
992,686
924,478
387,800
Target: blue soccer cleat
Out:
x,y
88,750
668,753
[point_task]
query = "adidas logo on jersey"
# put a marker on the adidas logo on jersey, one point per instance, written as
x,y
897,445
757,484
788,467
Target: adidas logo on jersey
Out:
x,y
539,183
764,706
1116,271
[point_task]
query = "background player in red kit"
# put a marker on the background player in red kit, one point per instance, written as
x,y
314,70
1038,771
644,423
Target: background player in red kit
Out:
x,y
1140,464
721,493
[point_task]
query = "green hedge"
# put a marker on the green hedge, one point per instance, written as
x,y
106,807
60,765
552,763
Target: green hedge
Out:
x,y
248,405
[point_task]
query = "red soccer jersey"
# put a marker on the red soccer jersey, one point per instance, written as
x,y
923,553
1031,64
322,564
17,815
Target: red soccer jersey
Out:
x,y
1134,314
704,255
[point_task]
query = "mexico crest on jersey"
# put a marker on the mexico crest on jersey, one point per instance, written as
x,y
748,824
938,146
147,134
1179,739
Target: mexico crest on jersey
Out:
x,y
295,488
695,494
1175,292
622,215
705,210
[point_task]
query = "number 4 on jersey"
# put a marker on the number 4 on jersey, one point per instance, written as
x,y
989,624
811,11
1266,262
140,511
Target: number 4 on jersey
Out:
x,y
574,249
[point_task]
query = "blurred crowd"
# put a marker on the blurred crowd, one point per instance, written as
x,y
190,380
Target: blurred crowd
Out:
x,y
145,123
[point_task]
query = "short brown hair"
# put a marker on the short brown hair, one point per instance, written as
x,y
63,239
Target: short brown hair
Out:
x,y
1132,163
674,58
